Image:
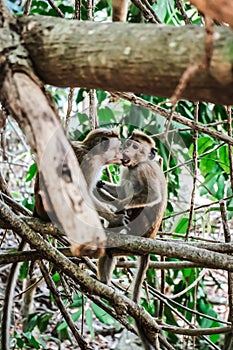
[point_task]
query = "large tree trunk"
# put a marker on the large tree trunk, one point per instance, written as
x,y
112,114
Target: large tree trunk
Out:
x,y
141,58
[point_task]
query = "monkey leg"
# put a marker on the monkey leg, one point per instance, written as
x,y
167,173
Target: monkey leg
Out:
x,y
106,266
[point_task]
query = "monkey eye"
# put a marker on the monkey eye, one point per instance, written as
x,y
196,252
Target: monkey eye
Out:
x,y
135,146
128,143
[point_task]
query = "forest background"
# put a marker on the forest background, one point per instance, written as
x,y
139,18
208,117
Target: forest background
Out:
x,y
51,299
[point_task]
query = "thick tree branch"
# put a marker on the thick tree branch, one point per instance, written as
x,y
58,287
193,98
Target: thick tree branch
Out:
x,y
64,191
142,58
127,245
87,284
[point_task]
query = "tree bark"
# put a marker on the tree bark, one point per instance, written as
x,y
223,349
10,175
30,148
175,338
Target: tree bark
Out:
x,y
141,58
65,189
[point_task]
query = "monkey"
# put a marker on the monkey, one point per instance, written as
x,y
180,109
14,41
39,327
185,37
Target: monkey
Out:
x,y
100,147
142,192
119,10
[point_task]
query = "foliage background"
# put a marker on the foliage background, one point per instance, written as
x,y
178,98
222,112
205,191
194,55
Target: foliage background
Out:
x,y
199,172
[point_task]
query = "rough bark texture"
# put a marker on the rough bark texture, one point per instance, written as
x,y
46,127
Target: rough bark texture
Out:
x,y
22,94
143,58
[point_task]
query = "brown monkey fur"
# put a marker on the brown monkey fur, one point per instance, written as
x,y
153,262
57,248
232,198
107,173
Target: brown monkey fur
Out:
x,y
119,10
99,148
142,192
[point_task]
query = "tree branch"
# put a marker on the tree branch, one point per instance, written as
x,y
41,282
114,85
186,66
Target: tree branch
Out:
x,y
142,58
63,187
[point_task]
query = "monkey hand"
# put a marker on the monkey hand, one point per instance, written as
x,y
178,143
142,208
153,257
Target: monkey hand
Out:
x,y
100,184
124,217
119,219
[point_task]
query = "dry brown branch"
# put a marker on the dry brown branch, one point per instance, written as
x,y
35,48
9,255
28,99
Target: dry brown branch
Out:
x,y
145,11
64,189
180,6
151,74
196,331
227,235
51,285
195,168
87,284
176,116
229,124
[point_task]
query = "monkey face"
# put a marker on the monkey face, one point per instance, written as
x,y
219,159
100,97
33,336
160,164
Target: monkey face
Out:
x,y
135,152
113,153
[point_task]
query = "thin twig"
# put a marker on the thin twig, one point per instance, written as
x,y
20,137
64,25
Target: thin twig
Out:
x,y
227,235
77,10
27,7
180,7
3,186
145,11
176,116
56,9
69,108
192,285
167,299
14,205
93,120
229,124
195,166
149,7
8,302
52,287
197,331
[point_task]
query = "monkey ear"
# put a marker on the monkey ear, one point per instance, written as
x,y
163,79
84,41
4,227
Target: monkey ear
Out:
x,y
104,143
152,153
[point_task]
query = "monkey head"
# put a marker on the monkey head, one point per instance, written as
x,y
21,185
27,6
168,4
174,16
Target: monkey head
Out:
x,y
106,144
138,148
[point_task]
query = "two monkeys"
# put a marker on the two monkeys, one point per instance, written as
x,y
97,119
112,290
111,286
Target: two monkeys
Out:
x,y
137,203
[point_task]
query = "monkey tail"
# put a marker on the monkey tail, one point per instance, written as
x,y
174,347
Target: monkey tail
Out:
x,y
141,272
106,266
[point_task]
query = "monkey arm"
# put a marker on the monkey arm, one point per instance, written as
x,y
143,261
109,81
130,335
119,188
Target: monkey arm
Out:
x,y
140,199
118,220
103,194
116,191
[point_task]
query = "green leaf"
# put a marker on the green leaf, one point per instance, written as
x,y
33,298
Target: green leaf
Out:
x,y
182,226
31,172
160,8
43,321
106,115
77,301
56,277
63,334
20,343
203,144
89,319
101,95
224,159
82,117
214,338
81,95
32,321
208,163
220,186
103,316
66,9
28,203
32,341
23,271
75,316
